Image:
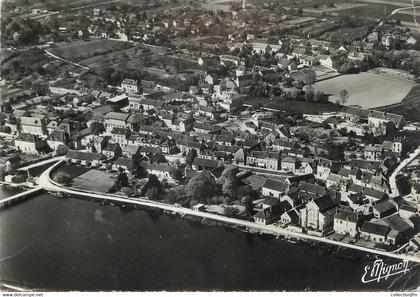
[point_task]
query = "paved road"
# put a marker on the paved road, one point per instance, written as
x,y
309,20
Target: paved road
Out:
x,y
64,60
48,184
403,164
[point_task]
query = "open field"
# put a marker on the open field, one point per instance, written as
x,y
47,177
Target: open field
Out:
x,y
409,107
370,10
94,180
291,107
367,90
130,57
79,50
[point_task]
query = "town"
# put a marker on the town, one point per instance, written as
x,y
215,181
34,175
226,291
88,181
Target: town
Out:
x,y
289,115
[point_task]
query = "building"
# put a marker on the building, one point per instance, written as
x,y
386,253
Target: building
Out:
x,y
318,214
30,143
346,222
274,188
115,120
130,86
374,231
33,125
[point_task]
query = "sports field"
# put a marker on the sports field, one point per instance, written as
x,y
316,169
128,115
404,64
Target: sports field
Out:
x,y
80,49
366,90
94,180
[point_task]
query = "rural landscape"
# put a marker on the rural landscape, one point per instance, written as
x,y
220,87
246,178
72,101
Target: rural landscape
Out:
x,y
202,145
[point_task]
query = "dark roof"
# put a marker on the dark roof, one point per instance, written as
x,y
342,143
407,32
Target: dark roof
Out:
x,y
374,228
346,215
385,206
206,163
311,188
324,203
85,156
27,137
275,185
117,116
271,201
123,162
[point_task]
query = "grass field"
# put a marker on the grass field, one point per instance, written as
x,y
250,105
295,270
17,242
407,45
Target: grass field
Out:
x,y
113,59
79,50
94,180
291,107
367,90
410,106
370,10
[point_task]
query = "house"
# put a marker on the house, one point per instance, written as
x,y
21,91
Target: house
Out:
x,y
57,138
124,163
30,143
400,231
33,125
130,86
263,217
274,188
289,164
130,150
384,209
290,217
318,214
325,167
269,160
161,170
346,222
120,136
200,164
84,158
327,61
115,120
112,150
374,231
373,152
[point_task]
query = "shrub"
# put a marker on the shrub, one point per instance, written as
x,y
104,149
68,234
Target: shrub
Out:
x,y
63,178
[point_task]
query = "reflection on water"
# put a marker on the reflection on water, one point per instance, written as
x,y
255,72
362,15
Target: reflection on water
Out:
x,y
73,244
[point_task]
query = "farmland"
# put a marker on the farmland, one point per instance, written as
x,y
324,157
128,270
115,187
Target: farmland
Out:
x,y
367,90
78,50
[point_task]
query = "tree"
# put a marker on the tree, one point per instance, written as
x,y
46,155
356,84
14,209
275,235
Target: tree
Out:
x,y
39,87
344,96
122,180
201,186
249,206
97,128
61,150
63,178
177,174
230,182
153,188
309,95
136,168
192,154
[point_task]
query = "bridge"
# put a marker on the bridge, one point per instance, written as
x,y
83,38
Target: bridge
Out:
x,y
20,197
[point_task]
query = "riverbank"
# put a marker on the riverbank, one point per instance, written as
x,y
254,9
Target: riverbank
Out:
x,y
47,183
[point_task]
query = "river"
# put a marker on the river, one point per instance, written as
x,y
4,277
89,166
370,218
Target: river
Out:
x,y
54,243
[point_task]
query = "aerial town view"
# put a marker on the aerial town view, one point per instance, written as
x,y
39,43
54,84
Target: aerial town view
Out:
x,y
210,145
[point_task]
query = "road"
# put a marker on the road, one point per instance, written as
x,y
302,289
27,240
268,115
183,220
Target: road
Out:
x,y
46,183
64,60
403,164
72,9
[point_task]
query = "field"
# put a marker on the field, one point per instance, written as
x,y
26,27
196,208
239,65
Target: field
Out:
x,y
409,107
94,180
129,57
367,90
79,50
291,107
370,10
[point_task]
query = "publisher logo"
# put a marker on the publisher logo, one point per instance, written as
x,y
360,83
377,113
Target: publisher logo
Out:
x,y
380,270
